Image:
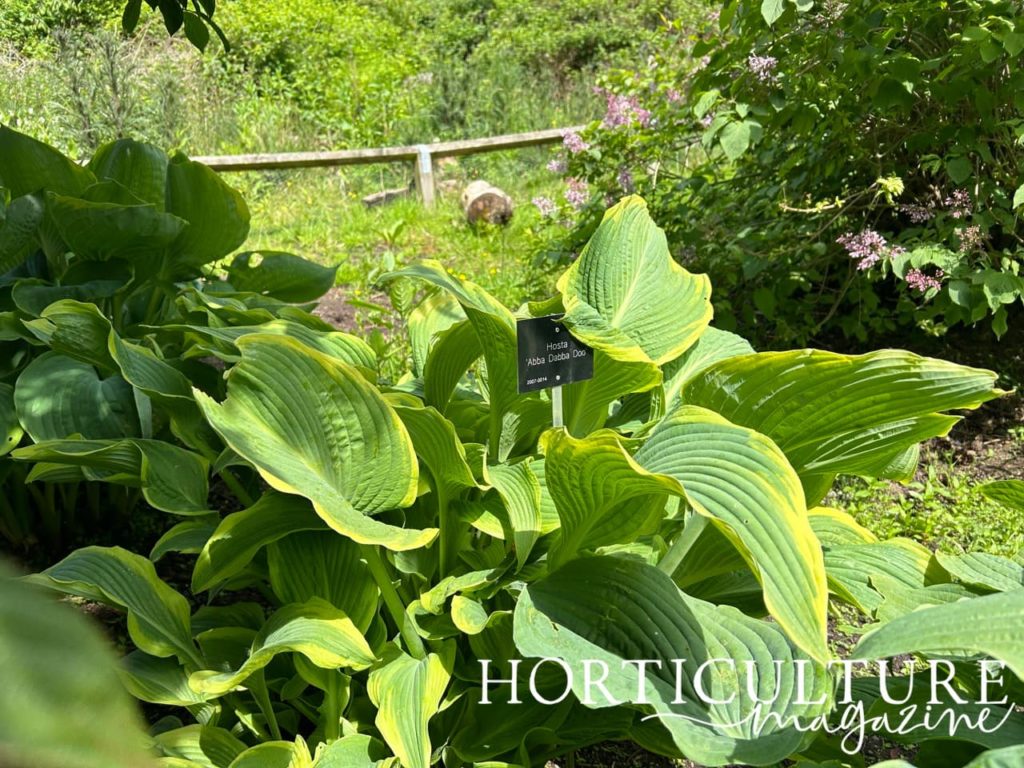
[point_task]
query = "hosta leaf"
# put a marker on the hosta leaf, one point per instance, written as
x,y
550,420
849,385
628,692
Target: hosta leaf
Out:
x,y
1007,492
610,609
284,276
832,413
355,751
10,428
741,481
712,346
313,426
319,631
172,479
602,495
158,617
18,232
76,329
980,569
988,625
341,346
586,403
899,599
851,569
833,527
141,168
187,537
407,693
1007,757
327,566
28,166
217,215
439,448
104,231
270,754
495,330
435,314
519,490
627,297
57,397
158,680
241,535
202,744
62,705
454,351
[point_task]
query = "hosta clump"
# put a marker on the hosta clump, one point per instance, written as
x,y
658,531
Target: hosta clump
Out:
x,y
408,533
105,325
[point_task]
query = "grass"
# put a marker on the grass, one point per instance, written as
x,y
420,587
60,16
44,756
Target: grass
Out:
x,y
318,214
942,508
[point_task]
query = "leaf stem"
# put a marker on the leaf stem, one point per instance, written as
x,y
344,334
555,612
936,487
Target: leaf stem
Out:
x,y
694,527
257,684
392,601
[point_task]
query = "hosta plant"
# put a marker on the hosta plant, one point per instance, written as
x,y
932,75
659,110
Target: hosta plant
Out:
x,y
413,549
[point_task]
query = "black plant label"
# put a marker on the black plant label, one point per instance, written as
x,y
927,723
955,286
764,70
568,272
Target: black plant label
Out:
x,y
549,355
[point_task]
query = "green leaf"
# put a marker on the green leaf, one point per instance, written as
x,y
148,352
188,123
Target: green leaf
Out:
x,y
57,397
63,706
1010,493
407,693
626,296
187,537
833,527
771,10
196,31
832,413
602,495
520,493
741,481
610,610
202,744
980,569
1007,757
241,535
355,751
28,166
735,137
158,680
438,448
712,346
10,428
282,275
138,167
217,215
853,568
18,233
586,403
172,479
959,169
319,631
103,231
314,427
158,617
456,348
1018,197
323,565
988,625
436,313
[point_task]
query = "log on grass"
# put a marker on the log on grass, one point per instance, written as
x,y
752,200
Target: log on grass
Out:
x,y
484,202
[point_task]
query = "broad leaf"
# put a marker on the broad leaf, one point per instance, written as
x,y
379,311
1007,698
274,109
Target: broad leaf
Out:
x,y
158,617
313,426
282,275
316,629
627,297
610,610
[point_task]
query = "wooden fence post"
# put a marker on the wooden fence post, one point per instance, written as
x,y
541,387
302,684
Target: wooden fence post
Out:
x,y
425,175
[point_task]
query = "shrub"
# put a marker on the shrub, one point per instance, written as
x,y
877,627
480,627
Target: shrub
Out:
x,y
846,165
402,534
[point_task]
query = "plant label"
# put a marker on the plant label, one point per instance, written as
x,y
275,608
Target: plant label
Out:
x,y
550,356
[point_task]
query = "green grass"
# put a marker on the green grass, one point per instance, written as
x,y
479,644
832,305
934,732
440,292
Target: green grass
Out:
x,y
318,214
942,508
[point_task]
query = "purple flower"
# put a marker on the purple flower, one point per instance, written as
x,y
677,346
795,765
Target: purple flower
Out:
x,y
622,110
959,204
763,68
546,207
919,281
708,119
625,179
918,214
867,247
557,165
577,193
970,238
574,142
673,95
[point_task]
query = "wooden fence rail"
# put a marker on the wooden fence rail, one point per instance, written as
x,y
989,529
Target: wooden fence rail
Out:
x,y
421,154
